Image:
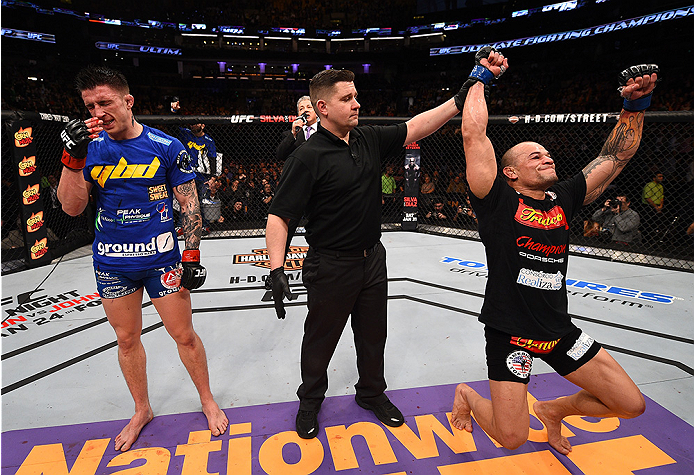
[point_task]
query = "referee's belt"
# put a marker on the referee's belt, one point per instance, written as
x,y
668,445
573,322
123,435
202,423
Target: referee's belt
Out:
x,y
358,253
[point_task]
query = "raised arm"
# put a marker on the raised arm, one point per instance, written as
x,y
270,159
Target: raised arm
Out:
x,y
480,160
637,84
428,122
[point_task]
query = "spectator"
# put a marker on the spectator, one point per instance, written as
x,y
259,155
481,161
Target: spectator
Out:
x,y
266,196
465,216
456,190
211,204
439,214
238,212
388,189
618,221
428,186
653,199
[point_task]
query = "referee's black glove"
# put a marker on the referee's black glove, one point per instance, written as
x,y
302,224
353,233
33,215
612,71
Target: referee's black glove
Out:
x,y
280,289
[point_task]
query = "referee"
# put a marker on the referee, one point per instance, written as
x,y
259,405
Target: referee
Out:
x,y
334,180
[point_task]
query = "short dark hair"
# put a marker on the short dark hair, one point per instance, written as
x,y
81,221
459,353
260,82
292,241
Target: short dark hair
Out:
x,y
93,76
325,80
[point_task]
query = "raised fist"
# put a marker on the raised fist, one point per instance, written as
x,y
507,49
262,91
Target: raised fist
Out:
x,y
636,84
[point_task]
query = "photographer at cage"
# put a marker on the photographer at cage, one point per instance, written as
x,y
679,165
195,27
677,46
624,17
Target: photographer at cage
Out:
x,y
618,221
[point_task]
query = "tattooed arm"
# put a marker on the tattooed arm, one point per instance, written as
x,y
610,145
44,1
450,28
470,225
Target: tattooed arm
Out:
x,y
187,196
624,139
620,146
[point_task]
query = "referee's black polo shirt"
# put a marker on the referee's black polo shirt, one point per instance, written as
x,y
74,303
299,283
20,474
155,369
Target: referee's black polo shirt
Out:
x,y
338,186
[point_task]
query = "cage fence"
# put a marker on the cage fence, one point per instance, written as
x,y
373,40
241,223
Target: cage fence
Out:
x,y
246,171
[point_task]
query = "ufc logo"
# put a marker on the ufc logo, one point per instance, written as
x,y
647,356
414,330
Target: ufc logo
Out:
x,y
69,143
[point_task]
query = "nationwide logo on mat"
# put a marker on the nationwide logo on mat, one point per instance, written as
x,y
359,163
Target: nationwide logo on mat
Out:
x,y
261,258
261,440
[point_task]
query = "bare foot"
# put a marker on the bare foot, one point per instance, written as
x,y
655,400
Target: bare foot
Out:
x,y
460,417
216,419
552,422
131,431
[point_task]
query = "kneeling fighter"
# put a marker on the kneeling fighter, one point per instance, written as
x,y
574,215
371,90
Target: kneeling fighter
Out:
x,y
134,172
525,309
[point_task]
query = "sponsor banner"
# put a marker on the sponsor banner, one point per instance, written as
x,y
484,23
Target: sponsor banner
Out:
x,y
601,292
28,35
261,439
31,205
602,118
679,13
130,48
411,193
261,258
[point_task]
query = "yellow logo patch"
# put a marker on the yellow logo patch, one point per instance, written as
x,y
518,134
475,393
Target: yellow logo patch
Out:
x,y
124,170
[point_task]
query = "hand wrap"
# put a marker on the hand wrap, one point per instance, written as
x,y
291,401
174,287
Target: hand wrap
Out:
x,y
478,74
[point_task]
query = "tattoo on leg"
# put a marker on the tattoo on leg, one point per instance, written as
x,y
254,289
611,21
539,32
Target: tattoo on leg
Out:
x,y
192,219
619,147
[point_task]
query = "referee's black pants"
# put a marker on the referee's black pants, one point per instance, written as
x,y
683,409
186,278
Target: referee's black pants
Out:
x,y
337,287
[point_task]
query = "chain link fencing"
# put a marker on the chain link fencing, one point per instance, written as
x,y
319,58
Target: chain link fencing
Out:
x,y
249,172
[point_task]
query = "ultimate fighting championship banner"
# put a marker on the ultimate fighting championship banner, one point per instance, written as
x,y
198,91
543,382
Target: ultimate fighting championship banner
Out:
x,y
412,161
31,213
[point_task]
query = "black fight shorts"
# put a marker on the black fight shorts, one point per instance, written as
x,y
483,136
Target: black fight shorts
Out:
x,y
510,358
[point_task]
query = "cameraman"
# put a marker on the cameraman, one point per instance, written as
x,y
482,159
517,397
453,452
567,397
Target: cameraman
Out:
x,y
302,128
618,221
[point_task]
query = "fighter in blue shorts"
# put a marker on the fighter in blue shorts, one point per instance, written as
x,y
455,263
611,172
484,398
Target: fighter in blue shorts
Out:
x,y
134,172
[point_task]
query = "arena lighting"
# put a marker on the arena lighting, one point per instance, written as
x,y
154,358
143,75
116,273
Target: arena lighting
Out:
x,y
163,50
685,12
312,39
28,35
240,36
200,34
346,39
277,38
426,34
560,7
388,38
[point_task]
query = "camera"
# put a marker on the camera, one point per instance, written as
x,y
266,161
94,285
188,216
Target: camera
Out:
x,y
613,203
